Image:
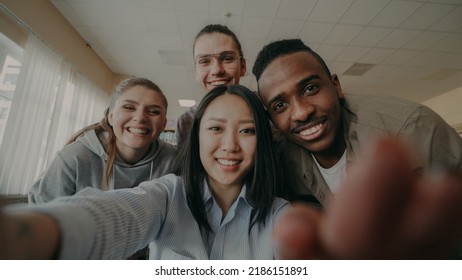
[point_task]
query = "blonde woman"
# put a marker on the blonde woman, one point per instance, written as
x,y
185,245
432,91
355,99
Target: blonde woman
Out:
x,y
120,151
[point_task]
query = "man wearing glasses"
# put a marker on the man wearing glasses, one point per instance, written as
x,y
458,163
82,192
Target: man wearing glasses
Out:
x,y
218,61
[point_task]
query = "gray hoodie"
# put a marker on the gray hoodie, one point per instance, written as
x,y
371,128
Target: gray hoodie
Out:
x,y
81,164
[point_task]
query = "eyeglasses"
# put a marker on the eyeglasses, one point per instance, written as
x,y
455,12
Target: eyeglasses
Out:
x,y
227,59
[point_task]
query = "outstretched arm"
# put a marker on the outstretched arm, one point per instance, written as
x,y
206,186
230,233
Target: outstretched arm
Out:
x,y
28,236
383,211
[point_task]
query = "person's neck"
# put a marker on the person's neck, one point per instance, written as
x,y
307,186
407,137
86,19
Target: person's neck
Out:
x,y
332,155
132,156
225,196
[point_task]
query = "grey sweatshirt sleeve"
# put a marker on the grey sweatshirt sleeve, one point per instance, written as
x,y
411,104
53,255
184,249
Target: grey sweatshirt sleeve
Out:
x,y
99,224
58,180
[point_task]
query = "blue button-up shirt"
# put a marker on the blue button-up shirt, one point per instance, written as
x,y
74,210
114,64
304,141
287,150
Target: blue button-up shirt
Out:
x,y
115,224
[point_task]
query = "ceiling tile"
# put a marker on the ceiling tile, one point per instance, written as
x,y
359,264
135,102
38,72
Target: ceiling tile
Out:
x,y
110,16
261,8
339,67
456,77
423,40
192,6
173,57
119,54
400,57
67,10
253,27
395,13
315,32
329,52
235,7
346,80
156,4
455,2
124,3
381,71
376,55
448,43
451,61
233,22
425,16
370,36
168,41
408,40
450,23
329,10
413,72
363,11
161,20
112,37
343,34
192,22
295,9
397,38
365,81
285,29
440,74
423,59
352,54
188,43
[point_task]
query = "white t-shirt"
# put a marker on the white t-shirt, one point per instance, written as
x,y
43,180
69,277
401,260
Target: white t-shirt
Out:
x,y
334,175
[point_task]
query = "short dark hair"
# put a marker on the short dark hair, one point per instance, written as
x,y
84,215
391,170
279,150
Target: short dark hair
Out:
x,y
280,48
263,181
219,28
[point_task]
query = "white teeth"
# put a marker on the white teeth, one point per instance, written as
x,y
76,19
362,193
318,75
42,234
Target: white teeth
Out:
x,y
137,130
218,83
311,130
228,162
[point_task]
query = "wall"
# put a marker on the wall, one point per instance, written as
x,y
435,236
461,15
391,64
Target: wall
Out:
x,y
46,21
448,106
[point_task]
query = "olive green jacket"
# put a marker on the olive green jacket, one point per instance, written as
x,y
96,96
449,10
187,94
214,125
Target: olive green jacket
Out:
x,y
437,145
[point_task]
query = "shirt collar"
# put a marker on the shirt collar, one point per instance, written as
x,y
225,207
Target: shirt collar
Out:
x,y
207,193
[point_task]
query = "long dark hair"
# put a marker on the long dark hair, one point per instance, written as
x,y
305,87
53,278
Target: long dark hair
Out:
x,y
262,181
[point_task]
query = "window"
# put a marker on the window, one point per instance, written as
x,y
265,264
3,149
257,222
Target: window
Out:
x,y
10,57
43,101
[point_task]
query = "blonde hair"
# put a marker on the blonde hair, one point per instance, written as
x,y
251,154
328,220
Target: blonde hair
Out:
x,y
103,125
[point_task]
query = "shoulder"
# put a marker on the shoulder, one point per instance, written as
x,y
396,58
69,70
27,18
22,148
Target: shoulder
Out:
x,y
170,184
279,205
188,114
384,105
75,150
382,112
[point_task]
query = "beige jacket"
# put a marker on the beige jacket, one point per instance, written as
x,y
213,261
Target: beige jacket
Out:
x,y
437,145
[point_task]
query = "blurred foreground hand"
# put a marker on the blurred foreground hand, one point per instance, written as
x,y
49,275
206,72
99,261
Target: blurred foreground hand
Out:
x,y
384,210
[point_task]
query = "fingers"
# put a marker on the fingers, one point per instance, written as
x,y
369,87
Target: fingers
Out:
x,y
364,215
296,233
384,210
431,225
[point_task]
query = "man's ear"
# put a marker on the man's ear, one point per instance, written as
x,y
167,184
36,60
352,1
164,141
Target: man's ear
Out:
x,y
243,66
165,124
338,87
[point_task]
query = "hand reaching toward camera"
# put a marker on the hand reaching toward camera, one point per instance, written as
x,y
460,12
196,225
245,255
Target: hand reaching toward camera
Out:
x,y
384,210
27,236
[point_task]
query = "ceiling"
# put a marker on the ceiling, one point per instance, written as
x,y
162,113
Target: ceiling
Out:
x,y
409,48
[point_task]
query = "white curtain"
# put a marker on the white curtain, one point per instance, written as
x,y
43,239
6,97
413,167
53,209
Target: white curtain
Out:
x,y
51,101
